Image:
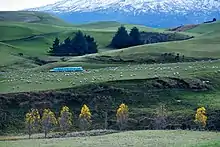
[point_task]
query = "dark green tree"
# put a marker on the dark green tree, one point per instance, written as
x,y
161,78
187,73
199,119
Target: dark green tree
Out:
x,y
135,36
121,39
66,47
92,45
55,47
79,44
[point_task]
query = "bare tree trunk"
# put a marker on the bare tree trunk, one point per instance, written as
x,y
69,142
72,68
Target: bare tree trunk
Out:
x,y
29,131
106,120
45,133
121,125
83,124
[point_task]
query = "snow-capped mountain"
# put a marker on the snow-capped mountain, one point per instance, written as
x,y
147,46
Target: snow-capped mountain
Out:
x,y
164,13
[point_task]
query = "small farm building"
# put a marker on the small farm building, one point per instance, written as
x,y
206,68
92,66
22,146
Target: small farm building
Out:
x,y
66,69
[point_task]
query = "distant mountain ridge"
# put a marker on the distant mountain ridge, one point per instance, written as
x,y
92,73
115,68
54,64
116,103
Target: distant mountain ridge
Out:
x,y
154,13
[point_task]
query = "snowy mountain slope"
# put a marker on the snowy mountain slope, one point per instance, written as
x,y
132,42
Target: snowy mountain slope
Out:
x,y
178,6
190,11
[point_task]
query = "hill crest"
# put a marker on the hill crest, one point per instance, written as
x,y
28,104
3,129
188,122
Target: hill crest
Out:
x,y
31,17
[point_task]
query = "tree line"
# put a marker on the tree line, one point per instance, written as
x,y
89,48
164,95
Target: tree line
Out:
x,y
155,37
47,122
79,45
123,39
82,44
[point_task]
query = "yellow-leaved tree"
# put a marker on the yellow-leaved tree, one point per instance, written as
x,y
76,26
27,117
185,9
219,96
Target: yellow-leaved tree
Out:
x,y
200,117
85,117
65,119
48,121
122,116
32,121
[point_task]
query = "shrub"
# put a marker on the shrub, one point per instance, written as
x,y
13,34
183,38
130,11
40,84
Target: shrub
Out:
x,y
20,54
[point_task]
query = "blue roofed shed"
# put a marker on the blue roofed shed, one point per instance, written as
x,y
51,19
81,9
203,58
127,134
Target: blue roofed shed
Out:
x,y
66,69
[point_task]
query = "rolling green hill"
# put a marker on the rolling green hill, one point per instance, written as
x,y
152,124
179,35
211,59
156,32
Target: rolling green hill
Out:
x,y
206,45
34,37
113,25
31,17
206,28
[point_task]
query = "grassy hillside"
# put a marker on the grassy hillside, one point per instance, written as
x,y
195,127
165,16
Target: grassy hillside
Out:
x,y
132,138
36,44
206,45
31,17
100,72
206,28
33,38
113,25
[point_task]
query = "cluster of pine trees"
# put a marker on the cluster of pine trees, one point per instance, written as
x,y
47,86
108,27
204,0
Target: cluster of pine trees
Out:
x,y
82,44
123,39
79,45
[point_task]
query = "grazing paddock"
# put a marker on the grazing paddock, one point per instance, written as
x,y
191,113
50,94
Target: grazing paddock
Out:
x,y
29,80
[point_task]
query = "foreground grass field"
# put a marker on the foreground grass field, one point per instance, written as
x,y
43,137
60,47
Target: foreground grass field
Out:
x,y
128,139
